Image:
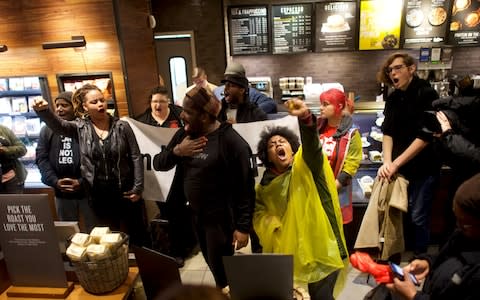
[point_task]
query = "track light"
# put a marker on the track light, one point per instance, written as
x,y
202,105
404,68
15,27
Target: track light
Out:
x,y
77,41
3,48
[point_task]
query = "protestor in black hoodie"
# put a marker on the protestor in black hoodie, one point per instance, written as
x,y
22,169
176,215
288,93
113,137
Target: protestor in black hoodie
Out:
x,y
58,159
214,174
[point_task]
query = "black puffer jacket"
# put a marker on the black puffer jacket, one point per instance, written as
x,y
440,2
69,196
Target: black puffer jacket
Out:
x,y
460,146
454,272
246,112
129,167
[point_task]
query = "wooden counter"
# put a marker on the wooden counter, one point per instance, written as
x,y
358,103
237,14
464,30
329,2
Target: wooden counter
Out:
x,y
78,293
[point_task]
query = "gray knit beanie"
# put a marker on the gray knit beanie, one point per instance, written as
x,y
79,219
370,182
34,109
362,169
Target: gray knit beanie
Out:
x,y
67,96
235,73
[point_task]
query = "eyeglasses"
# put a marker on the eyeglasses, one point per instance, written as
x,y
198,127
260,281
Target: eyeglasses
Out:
x,y
394,68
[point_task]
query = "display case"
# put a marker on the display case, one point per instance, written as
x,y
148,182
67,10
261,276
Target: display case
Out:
x,y
103,80
16,112
368,118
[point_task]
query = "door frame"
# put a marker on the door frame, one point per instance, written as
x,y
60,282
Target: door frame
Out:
x,y
181,34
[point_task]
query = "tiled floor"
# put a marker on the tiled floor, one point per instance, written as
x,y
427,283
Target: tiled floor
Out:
x,y
196,271
357,284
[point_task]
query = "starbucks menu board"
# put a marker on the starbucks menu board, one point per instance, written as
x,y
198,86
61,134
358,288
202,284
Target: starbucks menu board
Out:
x,y
380,24
465,23
335,26
425,23
292,28
248,30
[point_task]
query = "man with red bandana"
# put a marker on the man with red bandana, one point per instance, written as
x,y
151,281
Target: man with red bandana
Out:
x,y
407,149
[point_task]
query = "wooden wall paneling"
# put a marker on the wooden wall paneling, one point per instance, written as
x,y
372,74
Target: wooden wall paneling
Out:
x,y
27,24
138,52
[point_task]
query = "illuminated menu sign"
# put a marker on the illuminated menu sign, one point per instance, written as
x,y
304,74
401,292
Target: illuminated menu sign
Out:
x,y
292,28
248,30
465,23
380,24
425,23
335,26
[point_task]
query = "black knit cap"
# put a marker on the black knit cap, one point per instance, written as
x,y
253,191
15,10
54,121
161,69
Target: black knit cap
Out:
x,y
235,73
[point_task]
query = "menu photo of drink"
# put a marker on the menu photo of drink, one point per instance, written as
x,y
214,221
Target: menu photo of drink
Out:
x,y
336,26
380,24
425,23
248,27
465,23
292,28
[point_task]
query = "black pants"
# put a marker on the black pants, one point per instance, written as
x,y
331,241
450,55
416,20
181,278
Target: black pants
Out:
x,y
181,233
13,186
120,214
323,289
215,241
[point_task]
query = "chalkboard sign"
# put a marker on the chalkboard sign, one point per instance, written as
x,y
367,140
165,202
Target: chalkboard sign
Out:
x,y
248,26
292,28
336,26
29,241
425,23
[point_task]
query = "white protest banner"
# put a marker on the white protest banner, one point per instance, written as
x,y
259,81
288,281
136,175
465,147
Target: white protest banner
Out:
x,y
251,131
151,139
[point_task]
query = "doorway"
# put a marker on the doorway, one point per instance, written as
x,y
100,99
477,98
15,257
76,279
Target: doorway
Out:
x,y
175,58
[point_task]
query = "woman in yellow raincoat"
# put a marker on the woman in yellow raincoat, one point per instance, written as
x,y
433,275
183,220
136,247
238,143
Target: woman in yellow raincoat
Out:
x,y
297,209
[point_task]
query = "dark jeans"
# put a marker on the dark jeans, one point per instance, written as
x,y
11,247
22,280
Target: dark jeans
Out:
x,y
420,196
120,214
13,186
323,289
74,208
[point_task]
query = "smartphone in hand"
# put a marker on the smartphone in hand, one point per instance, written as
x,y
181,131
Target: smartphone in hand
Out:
x,y
398,272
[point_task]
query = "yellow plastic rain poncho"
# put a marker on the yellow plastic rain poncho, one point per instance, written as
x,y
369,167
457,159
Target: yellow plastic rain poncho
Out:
x,y
289,218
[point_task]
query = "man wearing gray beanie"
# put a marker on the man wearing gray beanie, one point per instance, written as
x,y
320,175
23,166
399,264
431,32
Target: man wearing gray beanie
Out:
x,y
236,108
236,72
58,159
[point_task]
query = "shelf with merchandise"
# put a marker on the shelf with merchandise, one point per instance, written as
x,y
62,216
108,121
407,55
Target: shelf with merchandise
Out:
x,y
16,113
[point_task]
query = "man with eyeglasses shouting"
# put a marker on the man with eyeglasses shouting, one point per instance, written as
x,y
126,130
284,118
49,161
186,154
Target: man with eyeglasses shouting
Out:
x,y
407,149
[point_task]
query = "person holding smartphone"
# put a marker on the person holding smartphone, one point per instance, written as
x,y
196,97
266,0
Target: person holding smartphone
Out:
x,y
454,273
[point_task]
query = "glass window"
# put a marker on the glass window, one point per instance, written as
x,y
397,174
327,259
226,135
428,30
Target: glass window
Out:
x,y
178,73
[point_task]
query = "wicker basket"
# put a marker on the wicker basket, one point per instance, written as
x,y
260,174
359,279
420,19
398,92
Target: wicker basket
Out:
x,y
104,275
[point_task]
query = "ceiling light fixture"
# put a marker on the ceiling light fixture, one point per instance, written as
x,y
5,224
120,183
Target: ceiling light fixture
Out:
x,y
77,41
